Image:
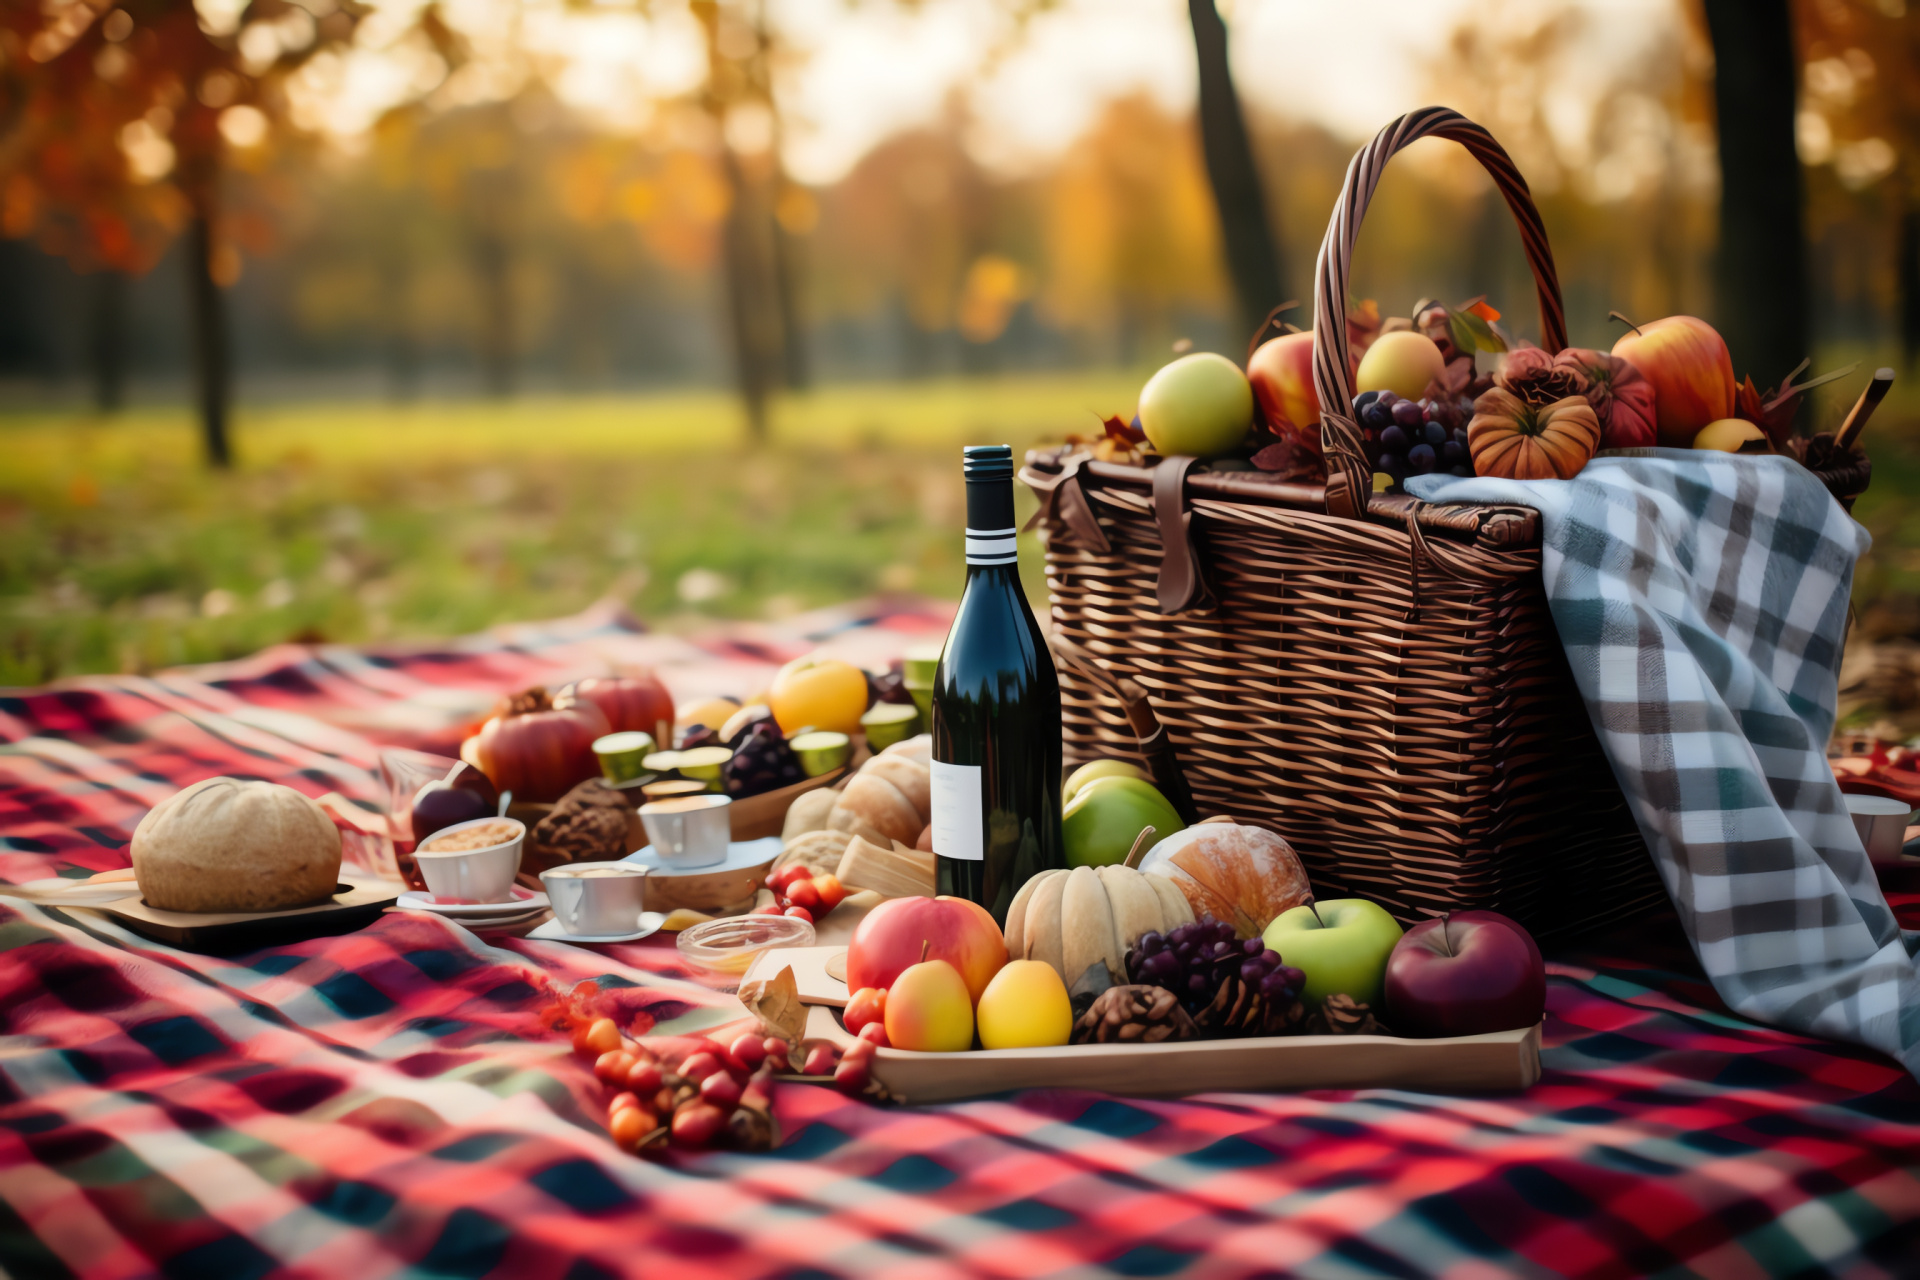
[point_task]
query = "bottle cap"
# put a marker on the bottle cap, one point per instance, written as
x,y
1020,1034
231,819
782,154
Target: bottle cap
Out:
x,y
987,461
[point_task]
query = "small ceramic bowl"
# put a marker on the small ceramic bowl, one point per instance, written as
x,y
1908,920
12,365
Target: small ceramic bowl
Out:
x,y
471,875
729,945
1882,824
596,898
692,831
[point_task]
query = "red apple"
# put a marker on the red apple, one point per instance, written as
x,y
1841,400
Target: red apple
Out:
x,y
1281,371
1691,372
1464,974
955,930
628,702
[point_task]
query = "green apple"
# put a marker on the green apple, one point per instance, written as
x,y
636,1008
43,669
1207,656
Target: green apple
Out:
x,y
1101,769
1201,405
1106,816
1342,949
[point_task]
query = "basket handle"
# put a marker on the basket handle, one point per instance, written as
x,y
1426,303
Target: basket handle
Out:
x,y
1349,477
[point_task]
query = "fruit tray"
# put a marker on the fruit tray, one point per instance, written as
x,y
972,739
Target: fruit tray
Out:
x,y
1498,1062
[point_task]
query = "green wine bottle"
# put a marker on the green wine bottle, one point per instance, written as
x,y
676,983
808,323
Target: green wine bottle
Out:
x,y
996,714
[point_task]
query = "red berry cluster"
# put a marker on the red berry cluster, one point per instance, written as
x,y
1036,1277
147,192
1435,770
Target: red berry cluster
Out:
x,y
692,1092
802,892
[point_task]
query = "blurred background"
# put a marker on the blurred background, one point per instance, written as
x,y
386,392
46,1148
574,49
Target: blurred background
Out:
x,y
329,321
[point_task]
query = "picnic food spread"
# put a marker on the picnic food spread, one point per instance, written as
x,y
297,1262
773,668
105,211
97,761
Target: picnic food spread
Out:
x,y
1140,919
228,845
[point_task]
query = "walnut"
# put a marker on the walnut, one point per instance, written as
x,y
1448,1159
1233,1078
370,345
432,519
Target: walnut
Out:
x,y
589,824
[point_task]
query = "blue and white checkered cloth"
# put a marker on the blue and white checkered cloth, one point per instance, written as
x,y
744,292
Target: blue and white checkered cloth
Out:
x,y
1702,600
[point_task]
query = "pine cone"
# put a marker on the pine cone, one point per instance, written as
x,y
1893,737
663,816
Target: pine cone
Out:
x,y
1134,1015
589,824
1342,1015
1238,1009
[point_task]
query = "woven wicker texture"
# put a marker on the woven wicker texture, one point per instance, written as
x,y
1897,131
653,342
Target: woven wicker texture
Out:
x,y
1391,699
1431,761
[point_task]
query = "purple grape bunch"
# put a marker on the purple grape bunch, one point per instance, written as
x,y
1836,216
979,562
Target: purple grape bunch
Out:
x,y
1192,960
1414,437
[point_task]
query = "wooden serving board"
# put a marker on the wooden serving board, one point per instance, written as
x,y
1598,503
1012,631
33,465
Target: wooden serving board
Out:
x,y
813,971
358,902
1494,1063
1500,1062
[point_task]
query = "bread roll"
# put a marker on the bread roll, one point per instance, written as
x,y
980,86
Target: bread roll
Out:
x,y
918,749
228,845
808,812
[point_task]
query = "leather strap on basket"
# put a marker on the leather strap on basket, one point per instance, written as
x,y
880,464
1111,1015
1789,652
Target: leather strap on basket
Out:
x,y
1062,502
1180,586
1349,477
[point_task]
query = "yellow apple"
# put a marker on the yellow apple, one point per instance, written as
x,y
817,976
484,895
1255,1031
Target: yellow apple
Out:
x,y
1402,362
1025,1007
822,692
929,1009
1200,405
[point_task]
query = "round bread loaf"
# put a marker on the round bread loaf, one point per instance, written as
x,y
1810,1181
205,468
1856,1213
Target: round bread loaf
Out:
x,y
228,845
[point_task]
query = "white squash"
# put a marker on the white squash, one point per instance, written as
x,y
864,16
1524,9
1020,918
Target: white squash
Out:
x,y
1071,919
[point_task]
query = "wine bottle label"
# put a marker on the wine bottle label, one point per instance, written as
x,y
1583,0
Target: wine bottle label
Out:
x,y
993,546
955,790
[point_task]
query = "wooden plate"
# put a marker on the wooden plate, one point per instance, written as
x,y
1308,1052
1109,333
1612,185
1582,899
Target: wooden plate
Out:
x,y
357,902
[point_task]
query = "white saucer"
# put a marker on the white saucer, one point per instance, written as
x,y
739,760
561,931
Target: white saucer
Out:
x,y
523,902
741,855
650,922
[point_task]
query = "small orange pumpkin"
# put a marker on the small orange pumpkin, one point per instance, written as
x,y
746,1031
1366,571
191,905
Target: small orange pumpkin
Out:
x,y
1515,441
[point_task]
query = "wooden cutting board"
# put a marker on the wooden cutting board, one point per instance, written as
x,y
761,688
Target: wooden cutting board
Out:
x,y
1499,1062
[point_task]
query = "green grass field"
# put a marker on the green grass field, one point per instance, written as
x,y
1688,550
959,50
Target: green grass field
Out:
x,y
120,552
353,522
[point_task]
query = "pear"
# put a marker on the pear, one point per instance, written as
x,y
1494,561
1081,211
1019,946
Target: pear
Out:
x,y
1024,1007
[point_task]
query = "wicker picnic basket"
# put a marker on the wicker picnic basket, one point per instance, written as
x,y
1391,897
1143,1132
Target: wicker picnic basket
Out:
x,y
1376,678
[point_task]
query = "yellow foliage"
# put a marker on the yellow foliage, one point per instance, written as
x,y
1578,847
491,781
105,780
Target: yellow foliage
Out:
x,y
1130,226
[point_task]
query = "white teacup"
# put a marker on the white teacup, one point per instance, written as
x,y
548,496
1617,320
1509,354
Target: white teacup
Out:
x,y
689,831
483,874
597,899
1882,824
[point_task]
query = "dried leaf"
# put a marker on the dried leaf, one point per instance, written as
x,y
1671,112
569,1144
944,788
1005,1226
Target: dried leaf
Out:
x,y
1288,459
776,1002
1473,331
1123,431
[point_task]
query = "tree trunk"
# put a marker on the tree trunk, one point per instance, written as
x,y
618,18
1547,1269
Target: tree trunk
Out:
x,y
1763,293
751,312
490,263
787,284
109,341
1252,259
212,364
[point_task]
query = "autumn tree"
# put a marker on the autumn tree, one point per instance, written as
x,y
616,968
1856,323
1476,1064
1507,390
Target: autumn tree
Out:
x,y
1246,231
1763,244
1859,132
114,129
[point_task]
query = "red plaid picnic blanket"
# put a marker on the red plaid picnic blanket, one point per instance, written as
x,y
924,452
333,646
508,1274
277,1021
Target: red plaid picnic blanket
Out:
x,y
384,1104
